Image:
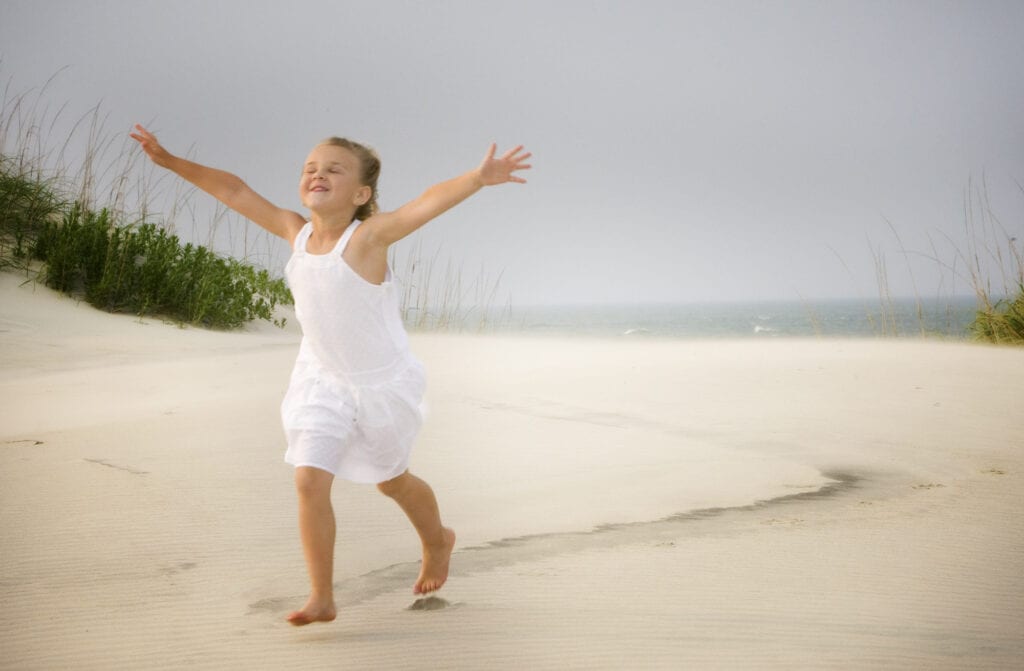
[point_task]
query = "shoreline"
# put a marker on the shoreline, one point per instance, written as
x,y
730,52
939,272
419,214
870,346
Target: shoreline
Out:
x,y
856,318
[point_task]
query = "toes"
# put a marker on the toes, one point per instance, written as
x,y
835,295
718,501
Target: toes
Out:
x,y
426,587
298,619
301,618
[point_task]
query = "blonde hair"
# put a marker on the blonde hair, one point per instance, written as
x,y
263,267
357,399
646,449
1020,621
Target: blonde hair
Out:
x,y
369,164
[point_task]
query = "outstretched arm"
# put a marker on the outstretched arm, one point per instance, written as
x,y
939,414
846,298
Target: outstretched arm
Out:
x,y
224,186
389,227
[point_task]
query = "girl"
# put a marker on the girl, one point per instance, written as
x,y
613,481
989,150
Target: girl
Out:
x,y
352,406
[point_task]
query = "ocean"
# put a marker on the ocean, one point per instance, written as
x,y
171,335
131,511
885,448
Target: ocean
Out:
x,y
946,318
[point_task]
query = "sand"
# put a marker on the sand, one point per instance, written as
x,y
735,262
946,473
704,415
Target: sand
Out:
x,y
621,504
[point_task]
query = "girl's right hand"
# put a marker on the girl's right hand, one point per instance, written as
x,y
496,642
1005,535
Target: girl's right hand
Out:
x,y
154,150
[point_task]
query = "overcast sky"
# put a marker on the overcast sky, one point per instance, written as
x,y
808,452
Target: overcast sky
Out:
x,y
682,150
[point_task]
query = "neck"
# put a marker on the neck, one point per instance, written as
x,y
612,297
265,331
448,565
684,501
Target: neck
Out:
x,y
330,223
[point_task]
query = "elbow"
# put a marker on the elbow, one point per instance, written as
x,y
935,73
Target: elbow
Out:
x,y
233,191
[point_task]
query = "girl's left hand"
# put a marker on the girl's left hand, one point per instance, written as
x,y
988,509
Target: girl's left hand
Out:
x,y
499,170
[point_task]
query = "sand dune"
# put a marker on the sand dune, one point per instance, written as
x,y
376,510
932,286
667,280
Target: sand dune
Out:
x,y
620,504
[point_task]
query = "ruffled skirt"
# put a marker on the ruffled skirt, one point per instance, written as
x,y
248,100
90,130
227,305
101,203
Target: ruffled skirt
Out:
x,y
359,432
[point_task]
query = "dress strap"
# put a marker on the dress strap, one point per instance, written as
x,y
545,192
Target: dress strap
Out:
x,y
346,236
299,244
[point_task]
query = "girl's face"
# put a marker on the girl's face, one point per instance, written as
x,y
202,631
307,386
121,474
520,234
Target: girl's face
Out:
x,y
331,180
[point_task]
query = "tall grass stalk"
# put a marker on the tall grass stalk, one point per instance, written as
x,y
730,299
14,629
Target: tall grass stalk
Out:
x,y
989,260
1000,317
436,296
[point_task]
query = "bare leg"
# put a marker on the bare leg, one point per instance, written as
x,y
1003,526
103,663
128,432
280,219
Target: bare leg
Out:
x,y
417,500
317,529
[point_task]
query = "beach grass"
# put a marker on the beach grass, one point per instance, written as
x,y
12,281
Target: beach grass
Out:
x,y
989,260
52,228
437,295
1000,294
1001,322
27,202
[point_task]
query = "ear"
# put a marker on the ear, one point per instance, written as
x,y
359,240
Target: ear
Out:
x,y
363,195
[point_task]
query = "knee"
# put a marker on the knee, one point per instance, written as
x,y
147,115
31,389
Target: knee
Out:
x,y
312,482
394,487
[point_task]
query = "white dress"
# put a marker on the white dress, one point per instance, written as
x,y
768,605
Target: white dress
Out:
x,y
353,405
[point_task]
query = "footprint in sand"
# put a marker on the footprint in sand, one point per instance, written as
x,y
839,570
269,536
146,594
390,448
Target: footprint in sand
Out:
x,y
429,603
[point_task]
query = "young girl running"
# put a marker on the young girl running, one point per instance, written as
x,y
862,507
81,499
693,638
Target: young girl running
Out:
x,y
352,406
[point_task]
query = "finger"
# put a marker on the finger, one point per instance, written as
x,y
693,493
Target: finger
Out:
x,y
517,180
141,135
511,152
490,151
523,167
520,159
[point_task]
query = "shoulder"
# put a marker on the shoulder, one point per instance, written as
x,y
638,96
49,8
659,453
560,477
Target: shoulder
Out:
x,y
369,234
295,231
293,223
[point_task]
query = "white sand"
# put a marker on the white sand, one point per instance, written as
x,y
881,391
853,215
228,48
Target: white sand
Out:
x,y
620,504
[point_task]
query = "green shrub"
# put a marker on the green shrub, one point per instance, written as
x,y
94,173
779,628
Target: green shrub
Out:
x,y
144,269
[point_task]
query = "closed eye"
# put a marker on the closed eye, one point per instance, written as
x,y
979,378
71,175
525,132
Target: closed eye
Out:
x,y
335,168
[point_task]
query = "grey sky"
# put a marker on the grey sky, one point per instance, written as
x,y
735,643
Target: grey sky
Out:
x,y
683,151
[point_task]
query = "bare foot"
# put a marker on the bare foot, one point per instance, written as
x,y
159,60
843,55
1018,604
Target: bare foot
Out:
x,y
313,611
434,571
